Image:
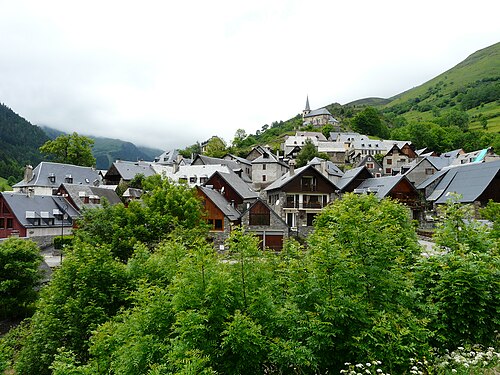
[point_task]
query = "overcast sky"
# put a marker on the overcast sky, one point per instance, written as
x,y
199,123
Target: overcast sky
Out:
x,y
169,73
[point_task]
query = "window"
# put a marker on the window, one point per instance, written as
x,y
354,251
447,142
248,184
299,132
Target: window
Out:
x,y
263,177
308,183
369,165
192,180
2,223
203,180
388,171
263,167
10,223
389,161
429,171
218,224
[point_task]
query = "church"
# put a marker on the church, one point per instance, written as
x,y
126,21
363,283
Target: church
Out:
x,y
318,118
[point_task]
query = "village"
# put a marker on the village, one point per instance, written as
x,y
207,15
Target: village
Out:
x,y
264,192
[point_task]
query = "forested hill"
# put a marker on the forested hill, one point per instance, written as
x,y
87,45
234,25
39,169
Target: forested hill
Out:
x,y
19,143
107,150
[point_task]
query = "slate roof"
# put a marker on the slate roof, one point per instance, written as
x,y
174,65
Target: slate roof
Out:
x,y
271,158
240,186
39,206
218,199
129,169
380,186
331,168
349,175
168,157
238,159
208,160
41,173
78,192
318,135
468,180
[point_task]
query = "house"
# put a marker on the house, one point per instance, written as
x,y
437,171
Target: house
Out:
x,y
256,152
335,150
85,196
266,224
235,165
479,156
233,188
419,170
299,195
221,215
352,178
35,216
46,178
293,143
397,187
397,157
473,182
125,171
318,117
372,165
266,169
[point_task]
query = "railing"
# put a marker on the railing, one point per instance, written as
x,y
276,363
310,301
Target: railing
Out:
x,y
304,205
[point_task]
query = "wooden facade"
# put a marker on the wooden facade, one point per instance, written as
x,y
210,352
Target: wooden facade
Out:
x,y
9,225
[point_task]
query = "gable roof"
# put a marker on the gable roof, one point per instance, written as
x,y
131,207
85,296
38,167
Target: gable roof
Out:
x,y
208,160
286,178
351,175
468,180
220,202
331,168
38,206
129,169
59,171
168,157
318,135
78,192
272,212
381,186
237,158
237,183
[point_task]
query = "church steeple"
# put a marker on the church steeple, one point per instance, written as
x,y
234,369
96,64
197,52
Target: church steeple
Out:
x,y
307,109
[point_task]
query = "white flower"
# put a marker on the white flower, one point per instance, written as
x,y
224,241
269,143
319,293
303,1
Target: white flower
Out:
x,y
379,371
359,365
368,364
453,371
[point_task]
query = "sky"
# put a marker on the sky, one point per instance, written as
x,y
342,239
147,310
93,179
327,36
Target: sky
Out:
x,y
166,74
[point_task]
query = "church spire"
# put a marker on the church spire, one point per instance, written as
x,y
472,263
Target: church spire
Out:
x,y
307,109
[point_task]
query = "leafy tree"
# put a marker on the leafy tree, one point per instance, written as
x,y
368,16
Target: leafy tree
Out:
x,y
455,117
369,122
326,130
216,147
19,275
70,149
307,153
89,288
239,137
189,151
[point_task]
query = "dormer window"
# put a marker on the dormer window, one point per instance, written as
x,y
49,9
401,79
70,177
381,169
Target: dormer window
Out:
x,y
52,177
68,179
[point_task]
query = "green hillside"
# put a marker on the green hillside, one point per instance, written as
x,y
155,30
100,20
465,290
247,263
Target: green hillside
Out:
x,y
19,143
473,86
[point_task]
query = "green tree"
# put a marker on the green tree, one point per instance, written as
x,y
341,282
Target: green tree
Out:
x,y
19,275
326,130
307,153
369,122
70,149
239,137
216,147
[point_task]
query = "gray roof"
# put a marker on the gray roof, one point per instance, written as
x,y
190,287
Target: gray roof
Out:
x,y
238,159
60,173
469,180
350,175
269,157
168,157
453,154
129,169
318,112
380,186
218,199
25,207
286,178
233,164
238,184
78,192
331,168
318,135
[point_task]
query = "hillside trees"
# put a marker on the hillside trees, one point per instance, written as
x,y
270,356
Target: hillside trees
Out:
x,y
70,149
216,147
369,122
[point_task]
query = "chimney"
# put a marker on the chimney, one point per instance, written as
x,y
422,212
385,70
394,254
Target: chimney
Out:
x,y
291,163
176,167
28,173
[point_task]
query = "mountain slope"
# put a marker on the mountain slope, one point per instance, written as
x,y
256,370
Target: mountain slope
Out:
x,y
19,143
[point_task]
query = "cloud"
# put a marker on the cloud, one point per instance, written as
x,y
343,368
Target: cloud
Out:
x,y
167,74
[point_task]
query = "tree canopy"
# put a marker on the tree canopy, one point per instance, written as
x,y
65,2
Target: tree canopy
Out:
x,y
70,149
